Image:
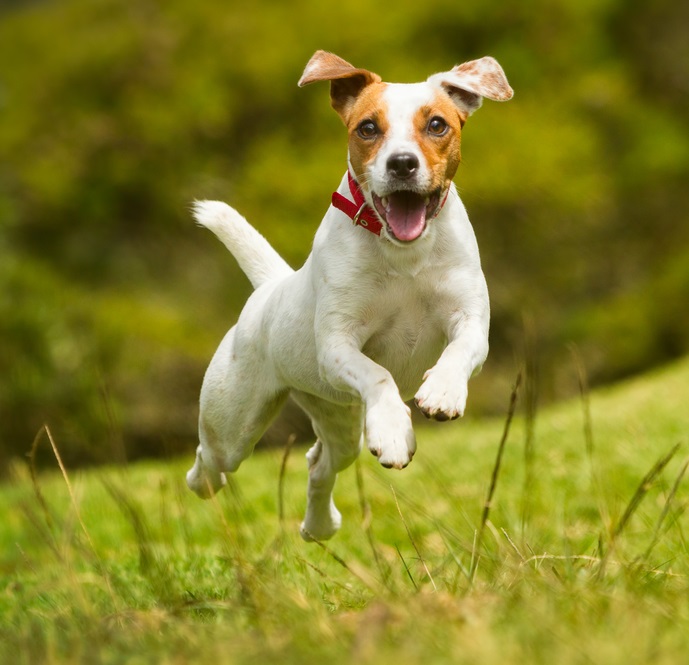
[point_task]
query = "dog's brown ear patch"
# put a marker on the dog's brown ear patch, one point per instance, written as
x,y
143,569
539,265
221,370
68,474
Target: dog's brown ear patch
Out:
x,y
346,81
469,83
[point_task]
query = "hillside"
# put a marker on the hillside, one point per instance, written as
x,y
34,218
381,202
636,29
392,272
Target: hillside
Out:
x,y
578,561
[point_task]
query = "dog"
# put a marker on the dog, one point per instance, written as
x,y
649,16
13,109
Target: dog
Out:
x,y
390,305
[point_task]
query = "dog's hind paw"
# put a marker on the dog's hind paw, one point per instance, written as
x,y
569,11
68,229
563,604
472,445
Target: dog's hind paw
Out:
x,y
313,529
204,482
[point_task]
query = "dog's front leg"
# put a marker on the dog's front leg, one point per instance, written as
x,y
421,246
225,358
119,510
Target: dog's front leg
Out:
x,y
388,427
443,393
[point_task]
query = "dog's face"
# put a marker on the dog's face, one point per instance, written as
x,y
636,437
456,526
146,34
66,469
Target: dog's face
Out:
x,y
404,150
404,139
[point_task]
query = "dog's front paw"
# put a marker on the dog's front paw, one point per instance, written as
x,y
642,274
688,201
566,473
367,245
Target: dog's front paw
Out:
x,y
441,396
389,433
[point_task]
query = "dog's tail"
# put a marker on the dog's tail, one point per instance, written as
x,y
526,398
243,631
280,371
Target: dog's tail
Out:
x,y
253,252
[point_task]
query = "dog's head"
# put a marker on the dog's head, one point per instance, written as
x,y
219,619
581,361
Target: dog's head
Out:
x,y
404,139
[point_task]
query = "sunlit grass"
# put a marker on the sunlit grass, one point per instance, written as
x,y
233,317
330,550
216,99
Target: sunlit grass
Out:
x,y
582,556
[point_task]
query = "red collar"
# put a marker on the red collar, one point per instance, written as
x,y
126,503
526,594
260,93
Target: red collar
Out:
x,y
358,210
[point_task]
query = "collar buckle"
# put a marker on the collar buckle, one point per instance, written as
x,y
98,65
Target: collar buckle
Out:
x,y
357,209
358,219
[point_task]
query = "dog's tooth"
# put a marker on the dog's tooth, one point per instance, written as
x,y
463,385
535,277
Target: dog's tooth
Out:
x,y
385,201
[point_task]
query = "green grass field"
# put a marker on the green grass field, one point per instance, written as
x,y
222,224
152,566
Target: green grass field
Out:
x,y
580,558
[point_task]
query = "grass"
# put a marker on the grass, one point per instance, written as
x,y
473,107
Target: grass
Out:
x,y
551,539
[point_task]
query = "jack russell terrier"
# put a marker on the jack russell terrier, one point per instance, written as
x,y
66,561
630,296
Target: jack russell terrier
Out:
x,y
391,304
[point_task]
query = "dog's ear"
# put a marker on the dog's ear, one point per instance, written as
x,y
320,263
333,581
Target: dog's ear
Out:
x,y
346,81
469,83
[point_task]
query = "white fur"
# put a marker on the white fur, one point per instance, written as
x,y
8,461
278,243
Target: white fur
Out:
x,y
402,101
363,326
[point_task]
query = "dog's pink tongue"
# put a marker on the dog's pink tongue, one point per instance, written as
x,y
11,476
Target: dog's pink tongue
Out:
x,y
406,215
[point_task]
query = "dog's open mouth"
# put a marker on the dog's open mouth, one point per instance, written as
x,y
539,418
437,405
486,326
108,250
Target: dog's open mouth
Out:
x,y
406,213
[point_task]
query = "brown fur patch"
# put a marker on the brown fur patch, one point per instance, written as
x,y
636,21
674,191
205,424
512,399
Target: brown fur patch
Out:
x,y
442,153
346,81
368,106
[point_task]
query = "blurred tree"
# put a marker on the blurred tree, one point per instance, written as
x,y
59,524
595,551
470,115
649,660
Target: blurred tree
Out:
x,y
115,115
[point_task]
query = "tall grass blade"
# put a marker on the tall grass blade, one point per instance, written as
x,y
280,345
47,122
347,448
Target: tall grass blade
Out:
x,y
244,571
664,513
584,394
585,397
522,558
643,488
363,576
135,516
117,446
530,409
77,511
70,489
47,527
281,480
453,555
495,474
406,568
325,576
641,491
367,524
411,540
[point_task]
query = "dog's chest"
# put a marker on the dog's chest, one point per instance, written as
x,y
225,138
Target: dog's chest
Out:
x,y
404,331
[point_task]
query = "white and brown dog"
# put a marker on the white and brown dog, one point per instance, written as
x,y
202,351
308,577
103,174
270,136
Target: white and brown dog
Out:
x,y
391,307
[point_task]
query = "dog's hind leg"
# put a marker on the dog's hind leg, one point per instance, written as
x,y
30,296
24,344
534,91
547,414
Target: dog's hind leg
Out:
x,y
340,436
239,399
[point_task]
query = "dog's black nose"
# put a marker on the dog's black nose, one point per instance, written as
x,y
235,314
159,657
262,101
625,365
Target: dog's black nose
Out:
x,y
403,164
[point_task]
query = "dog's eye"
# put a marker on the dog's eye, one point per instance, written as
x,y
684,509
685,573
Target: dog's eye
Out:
x,y
437,126
367,129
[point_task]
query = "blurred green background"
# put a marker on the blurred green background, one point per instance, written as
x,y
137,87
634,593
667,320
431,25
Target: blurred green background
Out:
x,y
116,114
